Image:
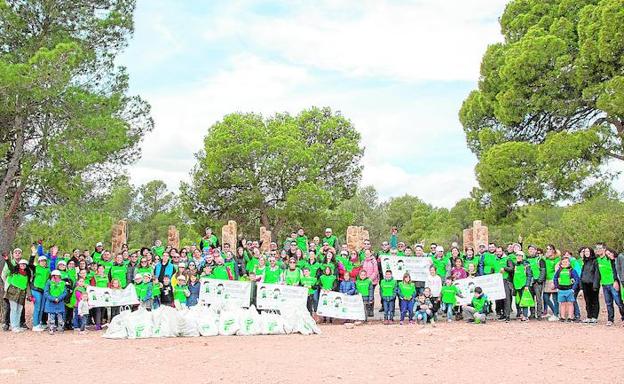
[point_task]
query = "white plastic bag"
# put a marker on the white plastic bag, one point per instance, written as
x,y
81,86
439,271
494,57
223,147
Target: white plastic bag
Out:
x,y
117,327
250,322
165,321
229,321
289,317
208,321
187,323
272,324
306,324
139,324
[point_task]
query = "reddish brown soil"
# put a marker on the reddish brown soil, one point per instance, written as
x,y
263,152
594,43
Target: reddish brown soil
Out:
x,y
534,352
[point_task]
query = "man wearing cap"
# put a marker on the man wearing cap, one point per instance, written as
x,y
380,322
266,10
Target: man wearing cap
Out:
x,y
41,274
96,256
330,238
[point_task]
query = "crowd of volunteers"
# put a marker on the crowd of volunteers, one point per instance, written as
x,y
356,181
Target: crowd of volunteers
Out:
x,y
540,283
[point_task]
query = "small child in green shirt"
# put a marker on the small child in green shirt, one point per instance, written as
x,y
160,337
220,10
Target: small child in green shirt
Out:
x,y
449,295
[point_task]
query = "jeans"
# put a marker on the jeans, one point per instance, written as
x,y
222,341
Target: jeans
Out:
x,y
76,318
470,313
507,301
38,307
611,295
156,302
407,307
59,325
16,313
82,321
538,289
577,309
388,308
550,301
448,308
421,315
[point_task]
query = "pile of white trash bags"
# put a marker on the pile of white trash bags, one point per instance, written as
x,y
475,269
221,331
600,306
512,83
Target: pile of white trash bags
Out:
x,y
209,321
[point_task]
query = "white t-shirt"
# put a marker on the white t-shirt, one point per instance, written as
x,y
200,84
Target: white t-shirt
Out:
x,y
434,283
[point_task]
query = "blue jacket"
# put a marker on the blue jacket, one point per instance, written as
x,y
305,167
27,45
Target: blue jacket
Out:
x,y
50,306
194,298
573,275
51,260
347,287
169,271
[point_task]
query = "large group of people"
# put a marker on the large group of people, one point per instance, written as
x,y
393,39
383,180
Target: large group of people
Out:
x,y
539,283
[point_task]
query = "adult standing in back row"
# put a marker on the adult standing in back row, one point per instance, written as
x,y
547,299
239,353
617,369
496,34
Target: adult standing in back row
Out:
x,y
590,284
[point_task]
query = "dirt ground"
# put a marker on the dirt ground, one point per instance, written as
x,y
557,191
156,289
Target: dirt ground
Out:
x,y
533,352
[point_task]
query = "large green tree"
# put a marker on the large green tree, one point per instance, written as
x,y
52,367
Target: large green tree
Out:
x,y
67,123
267,171
549,109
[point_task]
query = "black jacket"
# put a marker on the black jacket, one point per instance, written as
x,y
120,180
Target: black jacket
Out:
x,y
590,274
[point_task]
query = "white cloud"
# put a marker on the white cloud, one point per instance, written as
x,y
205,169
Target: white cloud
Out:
x,y
408,41
392,128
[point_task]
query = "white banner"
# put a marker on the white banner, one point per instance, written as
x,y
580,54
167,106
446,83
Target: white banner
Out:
x,y
340,306
417,267
214,291
107,297
273,296
492,286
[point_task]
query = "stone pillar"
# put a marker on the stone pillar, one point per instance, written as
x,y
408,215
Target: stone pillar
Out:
x,y
173,237
265,240
120,236
355,237
476,235
228,235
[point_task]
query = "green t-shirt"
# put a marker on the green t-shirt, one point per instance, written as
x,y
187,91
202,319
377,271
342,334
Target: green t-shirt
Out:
x,y
407,290
292,277
272,277
179,293
449,293
327,282
42,274
388,287
550,267
440,266
479,303
331,240
606,270
310,283
489,263
302,243
363,286
520,276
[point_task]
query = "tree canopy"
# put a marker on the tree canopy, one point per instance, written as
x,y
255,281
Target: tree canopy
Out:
x,y
67,121
547,114
270,171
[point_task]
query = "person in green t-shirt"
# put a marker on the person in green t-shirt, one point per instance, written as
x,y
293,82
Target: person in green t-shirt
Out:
x,y
302,240
609,282
448,295
364,287
388,291
311,283
407,293
477,310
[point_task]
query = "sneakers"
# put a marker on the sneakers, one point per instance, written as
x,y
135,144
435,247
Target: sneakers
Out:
x,y
411,322
609,323
99,327
401,322
18,330
37,328
5,328
553,318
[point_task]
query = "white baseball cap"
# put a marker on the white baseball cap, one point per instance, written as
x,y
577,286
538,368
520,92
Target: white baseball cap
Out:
x,y
56,272
22,261
439,248
41,258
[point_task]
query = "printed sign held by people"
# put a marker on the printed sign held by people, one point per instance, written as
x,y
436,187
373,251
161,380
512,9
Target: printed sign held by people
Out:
x,y
213,291
340,306
274,296
492,286
107,297
417,267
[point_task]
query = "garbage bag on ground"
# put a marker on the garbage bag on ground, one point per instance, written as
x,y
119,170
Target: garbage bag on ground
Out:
x,y
229,321
187,322
117,327
165,322
272,323
208,321
249,322
139,324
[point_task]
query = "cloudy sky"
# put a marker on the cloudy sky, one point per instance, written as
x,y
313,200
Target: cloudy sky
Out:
x,y
399,69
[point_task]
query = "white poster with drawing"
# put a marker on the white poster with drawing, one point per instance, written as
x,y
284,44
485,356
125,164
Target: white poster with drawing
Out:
x,y
417,267
340,306
107,297
492,286
213,291
274,296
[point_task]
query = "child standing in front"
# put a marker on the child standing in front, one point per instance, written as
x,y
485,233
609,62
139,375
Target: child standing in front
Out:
x,y
449,294
54,295
407,291
566,281
388,291
364,286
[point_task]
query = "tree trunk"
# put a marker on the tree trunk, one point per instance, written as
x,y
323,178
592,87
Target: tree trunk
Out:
x,y
7,234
